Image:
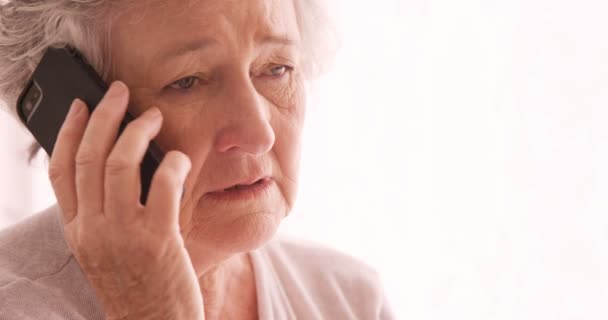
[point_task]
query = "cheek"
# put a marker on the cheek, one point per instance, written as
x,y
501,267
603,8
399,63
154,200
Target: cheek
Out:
x,y
183,129
179,121
288,121
182,118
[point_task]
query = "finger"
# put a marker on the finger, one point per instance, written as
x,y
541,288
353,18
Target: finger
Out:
x,y
61,165
166,190
99,137
122,172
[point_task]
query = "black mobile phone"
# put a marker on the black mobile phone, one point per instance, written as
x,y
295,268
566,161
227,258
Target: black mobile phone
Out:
x,y
63,75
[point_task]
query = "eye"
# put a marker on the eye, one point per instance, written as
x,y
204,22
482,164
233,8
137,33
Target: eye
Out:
x,y
277,71
185,83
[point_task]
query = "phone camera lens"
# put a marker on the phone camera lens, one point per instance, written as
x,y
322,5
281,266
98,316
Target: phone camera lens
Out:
x,y
28,106
31,100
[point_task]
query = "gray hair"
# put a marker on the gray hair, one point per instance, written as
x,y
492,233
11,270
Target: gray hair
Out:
x,y
28,27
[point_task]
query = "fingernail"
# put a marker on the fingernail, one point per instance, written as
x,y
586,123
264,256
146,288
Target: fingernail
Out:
x,y
117,89
75,109
151,113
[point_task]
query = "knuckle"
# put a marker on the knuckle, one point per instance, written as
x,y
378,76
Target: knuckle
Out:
x,y
118,164
56,172
86,157
75,241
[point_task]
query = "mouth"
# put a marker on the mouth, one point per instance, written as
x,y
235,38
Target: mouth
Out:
x,y
239,186
242,191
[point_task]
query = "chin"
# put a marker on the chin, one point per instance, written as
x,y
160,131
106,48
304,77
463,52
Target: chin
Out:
x,y
232,227
253,231
210,244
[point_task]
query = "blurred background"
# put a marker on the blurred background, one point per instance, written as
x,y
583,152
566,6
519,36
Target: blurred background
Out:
x,y
459,147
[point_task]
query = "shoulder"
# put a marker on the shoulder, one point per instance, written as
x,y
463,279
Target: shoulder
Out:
x,y
335,283
33,247
38,275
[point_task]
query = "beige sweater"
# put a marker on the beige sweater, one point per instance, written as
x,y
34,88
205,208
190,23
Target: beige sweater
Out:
x,y
40,279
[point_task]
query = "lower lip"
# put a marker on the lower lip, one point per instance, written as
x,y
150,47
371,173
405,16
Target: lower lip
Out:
x,y
243,193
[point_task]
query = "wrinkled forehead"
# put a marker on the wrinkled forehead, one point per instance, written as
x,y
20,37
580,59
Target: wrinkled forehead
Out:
x,y
162,23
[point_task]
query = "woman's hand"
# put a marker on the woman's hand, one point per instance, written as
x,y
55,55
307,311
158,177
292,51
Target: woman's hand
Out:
x,y
133,255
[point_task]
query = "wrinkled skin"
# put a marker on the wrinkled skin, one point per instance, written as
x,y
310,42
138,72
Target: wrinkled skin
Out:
x,y
230,110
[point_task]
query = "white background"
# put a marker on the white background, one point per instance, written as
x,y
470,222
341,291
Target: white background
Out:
x,y
457,146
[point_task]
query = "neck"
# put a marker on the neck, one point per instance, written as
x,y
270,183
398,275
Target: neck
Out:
x,y
229,290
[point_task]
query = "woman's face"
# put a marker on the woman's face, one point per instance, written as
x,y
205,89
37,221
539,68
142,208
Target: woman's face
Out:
x,y
226,76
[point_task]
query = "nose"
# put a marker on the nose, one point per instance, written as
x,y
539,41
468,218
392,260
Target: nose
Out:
x,y
245,126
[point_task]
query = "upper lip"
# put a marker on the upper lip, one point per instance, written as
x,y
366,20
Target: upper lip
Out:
x,y
242,182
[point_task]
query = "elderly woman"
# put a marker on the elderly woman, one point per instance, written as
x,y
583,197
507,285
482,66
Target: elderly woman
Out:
x,y
220,87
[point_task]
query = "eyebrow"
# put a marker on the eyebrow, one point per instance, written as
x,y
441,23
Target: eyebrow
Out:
x,y
185,48
201,45
280,39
